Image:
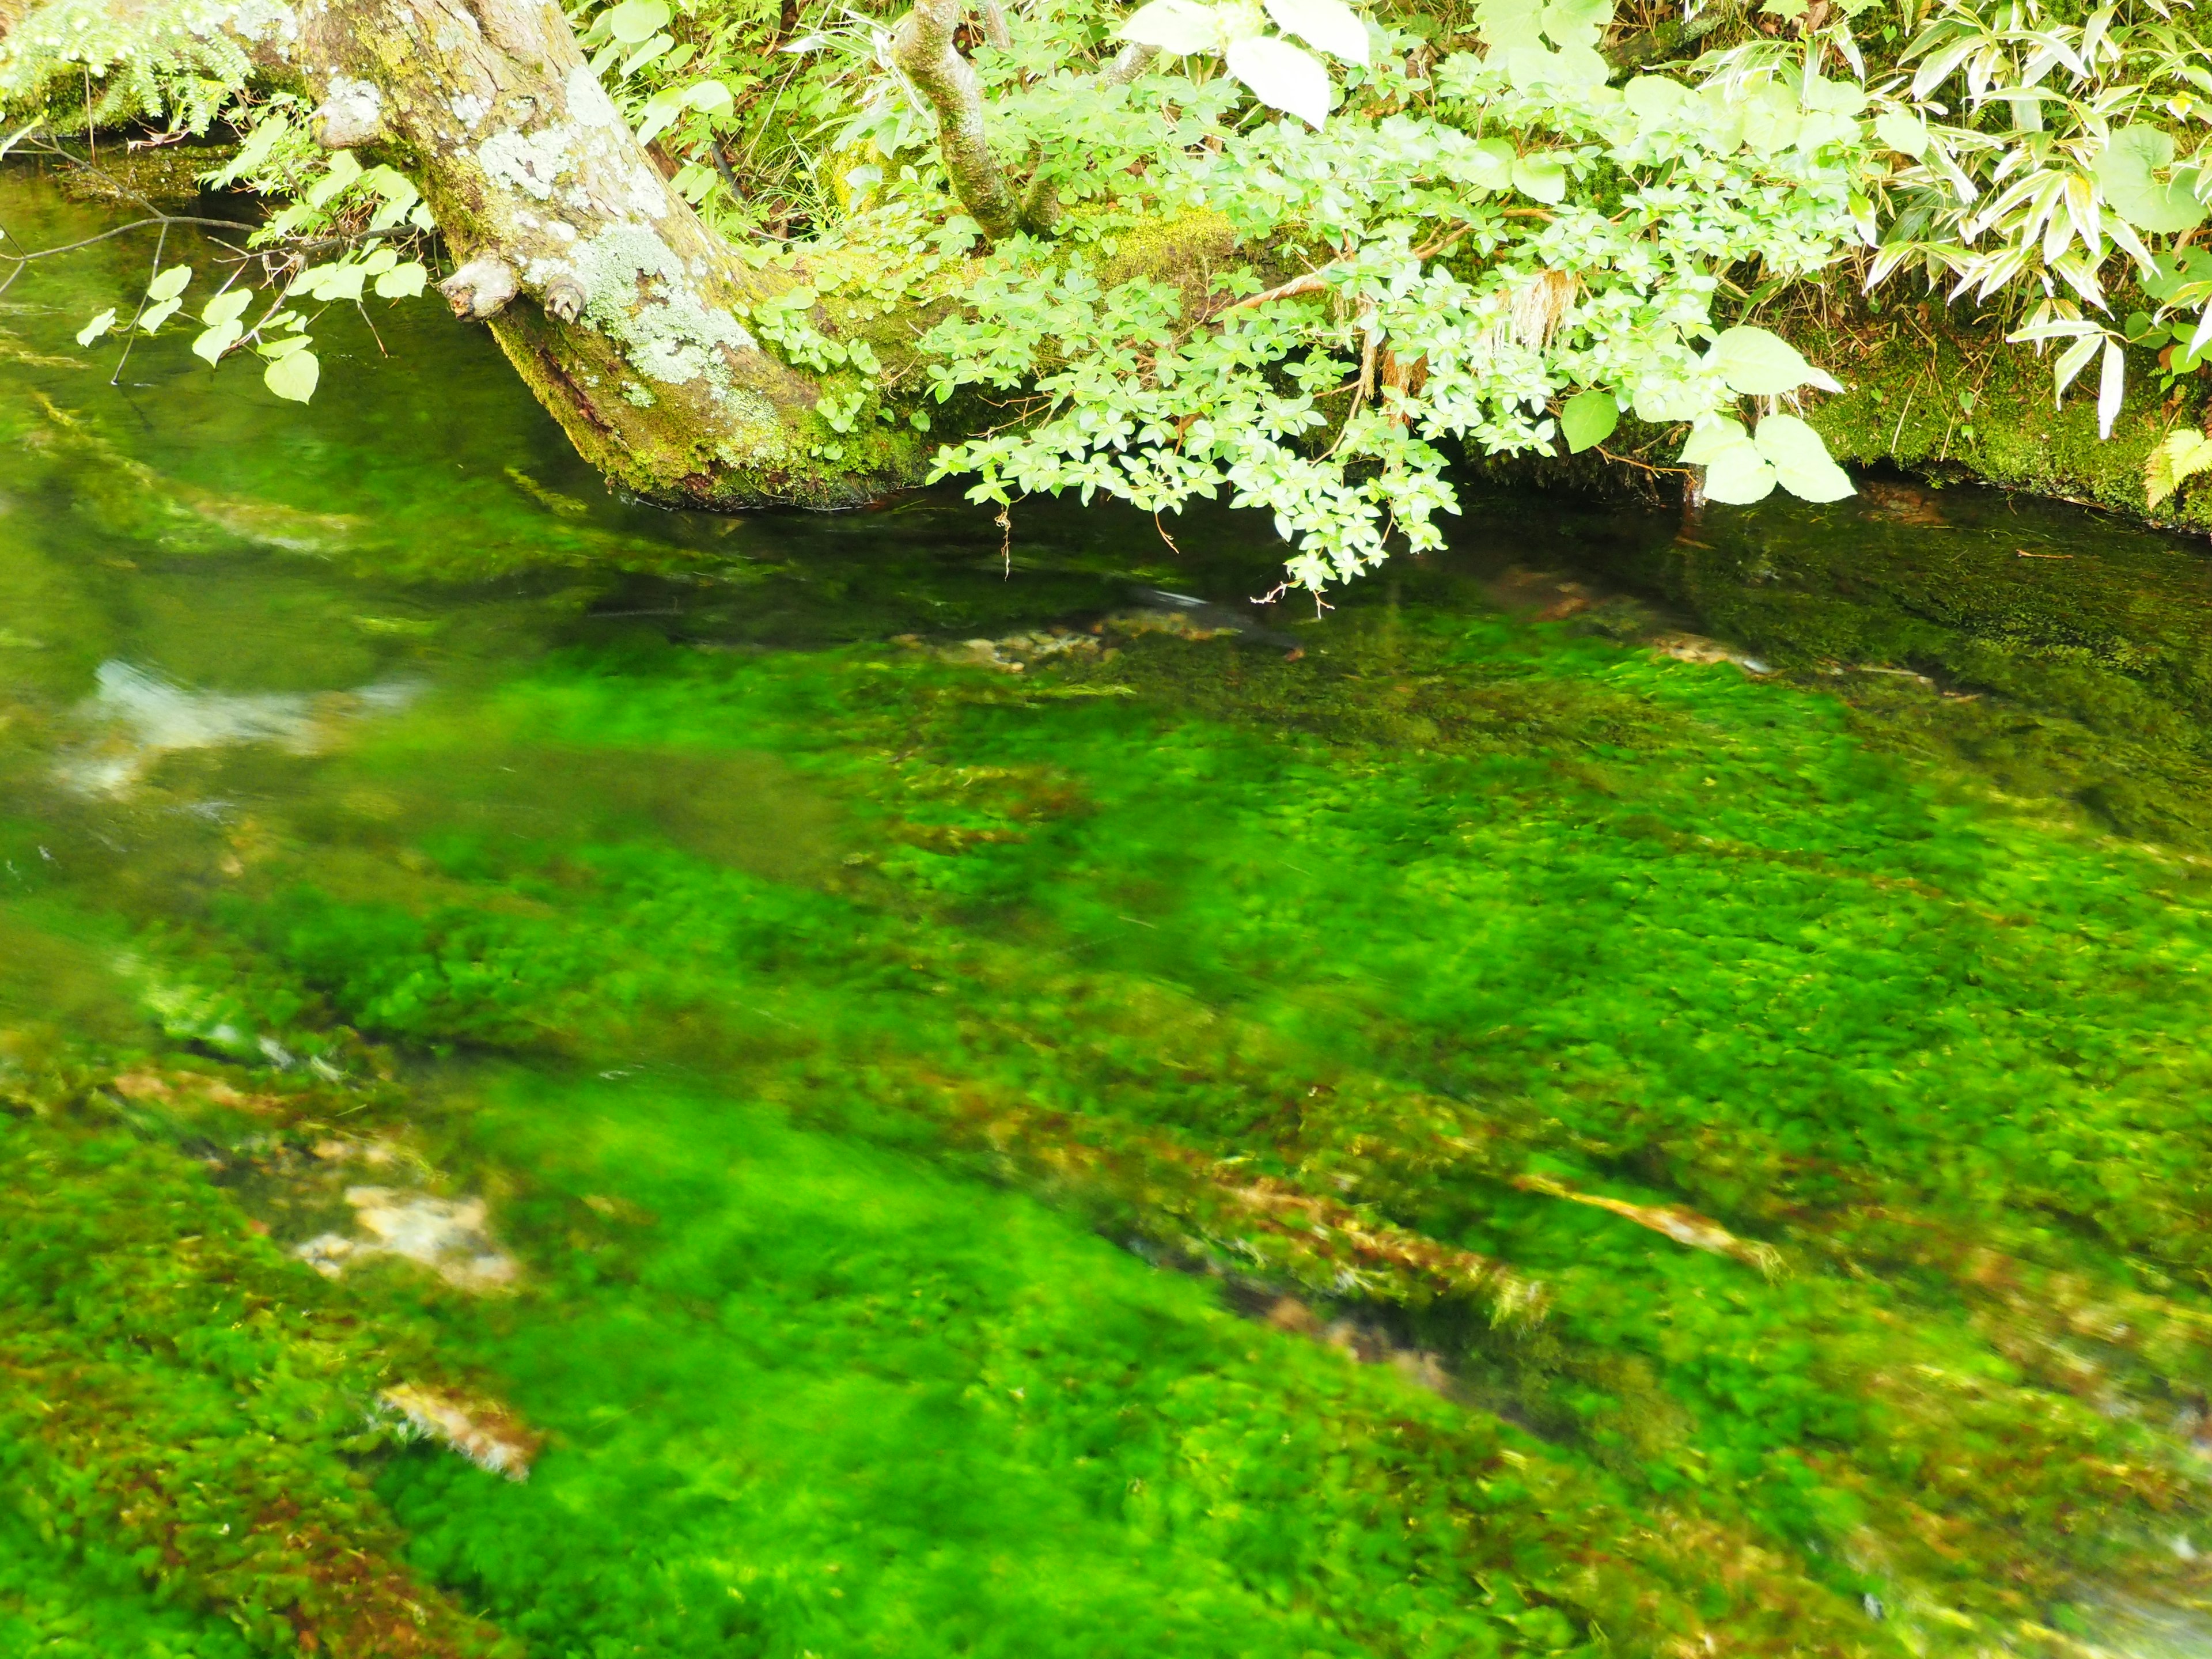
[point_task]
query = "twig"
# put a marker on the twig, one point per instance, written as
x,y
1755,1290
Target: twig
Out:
x,y
130,335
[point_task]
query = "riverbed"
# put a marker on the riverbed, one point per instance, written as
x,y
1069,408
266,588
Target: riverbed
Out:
x,y
581,1080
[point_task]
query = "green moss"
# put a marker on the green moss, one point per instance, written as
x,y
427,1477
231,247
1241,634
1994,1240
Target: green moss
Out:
x,y
1930,392
1753,1124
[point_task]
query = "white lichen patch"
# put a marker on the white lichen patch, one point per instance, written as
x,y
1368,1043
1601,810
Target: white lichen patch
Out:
x,y
637,291
449,1236
532,163
351,113
588,103
487,1434
469,109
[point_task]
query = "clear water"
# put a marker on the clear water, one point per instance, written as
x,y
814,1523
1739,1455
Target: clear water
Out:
x,y
1642,1089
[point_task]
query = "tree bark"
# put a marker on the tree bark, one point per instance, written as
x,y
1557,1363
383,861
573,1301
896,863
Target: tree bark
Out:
x,y
614,302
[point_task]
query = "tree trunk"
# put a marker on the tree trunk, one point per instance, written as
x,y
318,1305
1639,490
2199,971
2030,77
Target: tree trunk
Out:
x,y
615,303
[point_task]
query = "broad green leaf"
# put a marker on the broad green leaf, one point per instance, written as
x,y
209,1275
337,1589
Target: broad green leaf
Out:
x,y
98,326
273,349
1576,23
660,112
1541,177
1844,98
1657,403
1491,160
293,376
2127,171
214,342
1739,476
1905,134
153,317
1178,27
1282,77
1507,24
1588,418
647,54
327,282
402,281
1655,98
170,284
344,172
1760,364
227,306
708,96
1531,68
1711,439
1331,25
635,21
379,260
1801,461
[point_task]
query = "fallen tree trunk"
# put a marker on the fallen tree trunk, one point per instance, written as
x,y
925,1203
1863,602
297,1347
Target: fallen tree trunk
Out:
x,y
614,302
620,309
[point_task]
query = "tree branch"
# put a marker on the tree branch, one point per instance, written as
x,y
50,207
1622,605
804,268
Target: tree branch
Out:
x,y
923,48
1041,207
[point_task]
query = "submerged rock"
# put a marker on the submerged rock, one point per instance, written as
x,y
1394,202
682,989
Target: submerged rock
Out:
x,y
488,1434
147,717
449,1236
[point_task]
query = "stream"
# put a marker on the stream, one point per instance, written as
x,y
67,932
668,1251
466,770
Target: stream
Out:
x,y
579,1080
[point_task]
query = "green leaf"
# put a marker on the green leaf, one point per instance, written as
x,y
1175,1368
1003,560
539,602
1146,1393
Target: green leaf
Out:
x,y
635,21
98,326
1588,418
647,54
2111,386
153,317
2184,453
1541,177
1760,364
1905,134
402,281
1655,100
170,284
1331,25
1532,69
1282,77
1801,461
709,97
1492,162
215,341
2127,171
1506,24
1740,476
293,376
1180,27
345,172
2071,361
227,306
327,282
1576,23
1711,439
273,349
